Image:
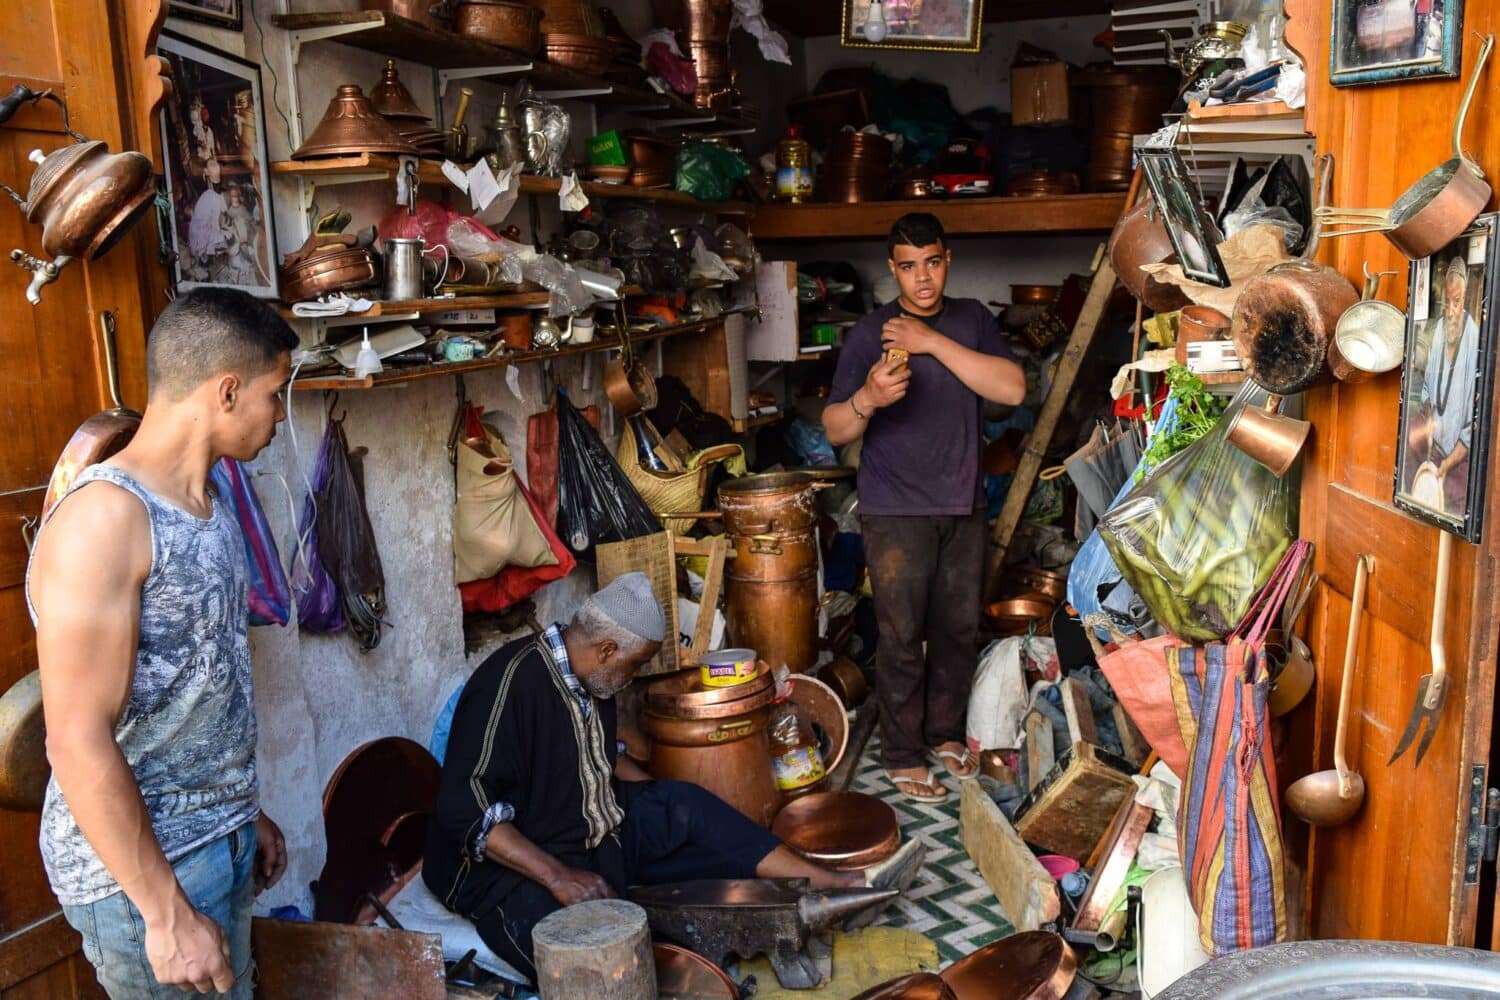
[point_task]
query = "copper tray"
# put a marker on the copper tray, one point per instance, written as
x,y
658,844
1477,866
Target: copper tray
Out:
x,y
687,975
1035,965
847,831
919,986
827,710
683,695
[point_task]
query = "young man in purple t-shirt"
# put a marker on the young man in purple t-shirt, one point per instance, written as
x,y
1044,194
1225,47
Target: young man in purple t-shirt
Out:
x,y
921,497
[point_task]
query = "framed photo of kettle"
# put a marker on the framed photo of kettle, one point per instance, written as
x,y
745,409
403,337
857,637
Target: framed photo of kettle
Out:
x,y
1448,383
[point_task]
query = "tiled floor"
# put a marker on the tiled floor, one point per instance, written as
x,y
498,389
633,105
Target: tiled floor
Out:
x,y
950,901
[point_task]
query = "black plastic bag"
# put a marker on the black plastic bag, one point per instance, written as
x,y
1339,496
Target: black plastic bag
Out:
x,y
595,502
348,542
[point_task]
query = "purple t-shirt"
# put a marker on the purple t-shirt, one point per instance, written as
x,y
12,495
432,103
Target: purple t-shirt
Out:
x,y
921,456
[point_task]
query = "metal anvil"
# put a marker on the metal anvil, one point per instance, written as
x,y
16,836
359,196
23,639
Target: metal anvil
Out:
x,y
776,917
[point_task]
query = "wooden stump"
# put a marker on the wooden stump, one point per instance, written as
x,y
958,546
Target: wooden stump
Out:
x,y
599,950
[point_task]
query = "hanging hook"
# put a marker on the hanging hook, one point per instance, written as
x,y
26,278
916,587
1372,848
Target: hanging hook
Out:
x,y
29,525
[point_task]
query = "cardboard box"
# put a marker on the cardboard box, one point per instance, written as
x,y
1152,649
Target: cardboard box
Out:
x,y
1039,94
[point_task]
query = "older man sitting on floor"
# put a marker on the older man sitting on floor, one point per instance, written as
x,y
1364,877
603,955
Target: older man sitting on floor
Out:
x,y
538,808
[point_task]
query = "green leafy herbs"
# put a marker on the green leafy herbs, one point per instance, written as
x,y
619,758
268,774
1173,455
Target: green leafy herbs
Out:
x,y
1197,412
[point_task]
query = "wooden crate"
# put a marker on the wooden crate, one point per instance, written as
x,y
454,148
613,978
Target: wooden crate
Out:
x,y
1072,808
656,556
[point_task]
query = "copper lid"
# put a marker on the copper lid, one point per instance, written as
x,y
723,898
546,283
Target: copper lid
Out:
x,y
1036,965
689,976
684,696
350,125
766,482
919,986
843,830
390,97
52,168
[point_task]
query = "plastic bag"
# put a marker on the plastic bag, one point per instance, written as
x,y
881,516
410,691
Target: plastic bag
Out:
x,y
318,606
595,501
349,542
1201,536
708,172
269,596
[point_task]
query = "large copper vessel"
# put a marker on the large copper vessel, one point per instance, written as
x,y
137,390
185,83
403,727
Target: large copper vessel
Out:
x,y
716,738
1125,102
773,578
351,126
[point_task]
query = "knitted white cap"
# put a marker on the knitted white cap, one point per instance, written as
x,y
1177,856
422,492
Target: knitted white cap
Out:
x,y
630,603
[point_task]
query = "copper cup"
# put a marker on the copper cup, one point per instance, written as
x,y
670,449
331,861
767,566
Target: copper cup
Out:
x,y
1198,323
1271,438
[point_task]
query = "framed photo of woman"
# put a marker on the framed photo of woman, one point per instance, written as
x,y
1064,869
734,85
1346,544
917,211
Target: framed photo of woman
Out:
x,y
218,177
926,25
1448,383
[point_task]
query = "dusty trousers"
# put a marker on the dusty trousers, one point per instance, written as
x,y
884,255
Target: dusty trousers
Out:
x,y
927,573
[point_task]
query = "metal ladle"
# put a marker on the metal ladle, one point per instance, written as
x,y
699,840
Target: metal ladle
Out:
x,y
1328,798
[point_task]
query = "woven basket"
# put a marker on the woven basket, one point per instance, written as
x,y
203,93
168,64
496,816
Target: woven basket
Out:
x,y
664,492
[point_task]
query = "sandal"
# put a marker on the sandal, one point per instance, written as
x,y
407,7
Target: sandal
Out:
x,y
962,766
924,789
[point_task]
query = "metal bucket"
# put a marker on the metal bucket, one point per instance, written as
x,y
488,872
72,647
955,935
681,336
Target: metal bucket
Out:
x,y
772,581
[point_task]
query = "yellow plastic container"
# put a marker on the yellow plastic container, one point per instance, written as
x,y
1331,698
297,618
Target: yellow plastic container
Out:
x,y
728,667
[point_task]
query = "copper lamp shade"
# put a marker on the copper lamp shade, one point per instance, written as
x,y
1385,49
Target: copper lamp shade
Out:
x,y
391,99
351,125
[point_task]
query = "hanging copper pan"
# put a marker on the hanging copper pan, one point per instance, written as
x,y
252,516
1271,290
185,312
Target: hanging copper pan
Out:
x,y
351,126
1141,238
98,437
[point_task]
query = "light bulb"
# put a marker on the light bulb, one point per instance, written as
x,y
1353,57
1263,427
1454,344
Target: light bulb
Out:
x,y
875,27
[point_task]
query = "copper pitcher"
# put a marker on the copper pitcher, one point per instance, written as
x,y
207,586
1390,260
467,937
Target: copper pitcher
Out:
x,y
83,196
1268,436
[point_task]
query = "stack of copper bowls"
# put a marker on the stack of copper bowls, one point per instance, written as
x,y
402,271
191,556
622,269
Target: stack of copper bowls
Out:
x,y
394,103
351,126
584,53
858,168
568,17
507,23
1126,101
333,266
715,737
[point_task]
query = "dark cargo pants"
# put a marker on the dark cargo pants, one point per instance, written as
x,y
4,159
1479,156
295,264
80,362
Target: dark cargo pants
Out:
x,y
926,573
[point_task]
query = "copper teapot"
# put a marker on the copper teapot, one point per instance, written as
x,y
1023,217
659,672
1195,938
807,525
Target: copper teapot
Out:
x,y
84,197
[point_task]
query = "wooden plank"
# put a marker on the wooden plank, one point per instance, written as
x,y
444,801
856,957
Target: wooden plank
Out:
x,y
1258,111
1039,750
297,959
32,950
1040,438
859,736
1135,746
1080,714
960,216
1027,894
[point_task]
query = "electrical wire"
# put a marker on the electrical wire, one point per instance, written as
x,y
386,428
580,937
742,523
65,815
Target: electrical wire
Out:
x,y
265,61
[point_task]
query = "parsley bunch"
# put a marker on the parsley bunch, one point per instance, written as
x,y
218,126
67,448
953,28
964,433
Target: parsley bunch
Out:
x,y
1197,412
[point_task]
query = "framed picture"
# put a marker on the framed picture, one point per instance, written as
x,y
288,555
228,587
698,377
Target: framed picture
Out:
x,y
218,181
1448,383
224,13
926,25
1377,41
1190,226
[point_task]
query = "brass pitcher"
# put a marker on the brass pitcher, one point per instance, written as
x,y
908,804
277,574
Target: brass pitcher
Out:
x,y
83,196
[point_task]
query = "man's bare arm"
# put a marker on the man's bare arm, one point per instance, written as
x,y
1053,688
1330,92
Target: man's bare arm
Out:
x,y
86,578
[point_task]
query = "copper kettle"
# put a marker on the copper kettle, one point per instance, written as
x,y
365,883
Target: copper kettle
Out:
x,y
84,197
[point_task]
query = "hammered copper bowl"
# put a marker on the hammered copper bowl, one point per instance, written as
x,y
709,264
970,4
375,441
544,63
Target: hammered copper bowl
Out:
x,y
1035,965
1034,295
579,52
515,26
846,831
683,973
1021,614
918,986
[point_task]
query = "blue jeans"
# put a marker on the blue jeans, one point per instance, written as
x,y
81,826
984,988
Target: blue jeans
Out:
x,y
218,879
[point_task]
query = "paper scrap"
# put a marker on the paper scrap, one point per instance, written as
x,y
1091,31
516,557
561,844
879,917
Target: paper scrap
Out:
x,y
570,197
1246,254
482,187
456,175
513,382
510,190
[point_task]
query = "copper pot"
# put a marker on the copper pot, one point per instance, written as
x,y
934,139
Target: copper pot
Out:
x,y
1041,184
708,20
568,17
350,126
729,756
1047,582
846,831
515,26
917,986
773,580
434,14
648,152
683,695
1021,614
1283,320
334,270
847,681
515,330
1196,324
1141,238
1124,102
84,197
583,53
630,389
1034,295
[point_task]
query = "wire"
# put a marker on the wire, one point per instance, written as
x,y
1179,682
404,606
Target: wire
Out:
x,y
265,61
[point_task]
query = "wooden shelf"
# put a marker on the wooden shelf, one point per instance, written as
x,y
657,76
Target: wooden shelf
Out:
x,y
459,57
764,420
416,373
405,307
1074,213
376,166
809,20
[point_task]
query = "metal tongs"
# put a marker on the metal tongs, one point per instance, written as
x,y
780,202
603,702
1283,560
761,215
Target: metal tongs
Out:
x,y
1432,689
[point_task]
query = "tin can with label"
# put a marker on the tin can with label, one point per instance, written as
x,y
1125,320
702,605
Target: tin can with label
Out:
x,y
728,667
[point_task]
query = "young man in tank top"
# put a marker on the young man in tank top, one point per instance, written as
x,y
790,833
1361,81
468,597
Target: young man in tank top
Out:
x,y
152,833
911,380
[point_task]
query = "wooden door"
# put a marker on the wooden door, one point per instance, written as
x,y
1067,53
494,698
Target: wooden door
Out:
x,y
51,378
1400,870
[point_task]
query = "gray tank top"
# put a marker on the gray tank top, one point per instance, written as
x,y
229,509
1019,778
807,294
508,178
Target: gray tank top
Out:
x,y
188,728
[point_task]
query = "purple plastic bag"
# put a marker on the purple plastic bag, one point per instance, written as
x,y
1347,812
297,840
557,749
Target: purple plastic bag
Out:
x,y
319,608
269,596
